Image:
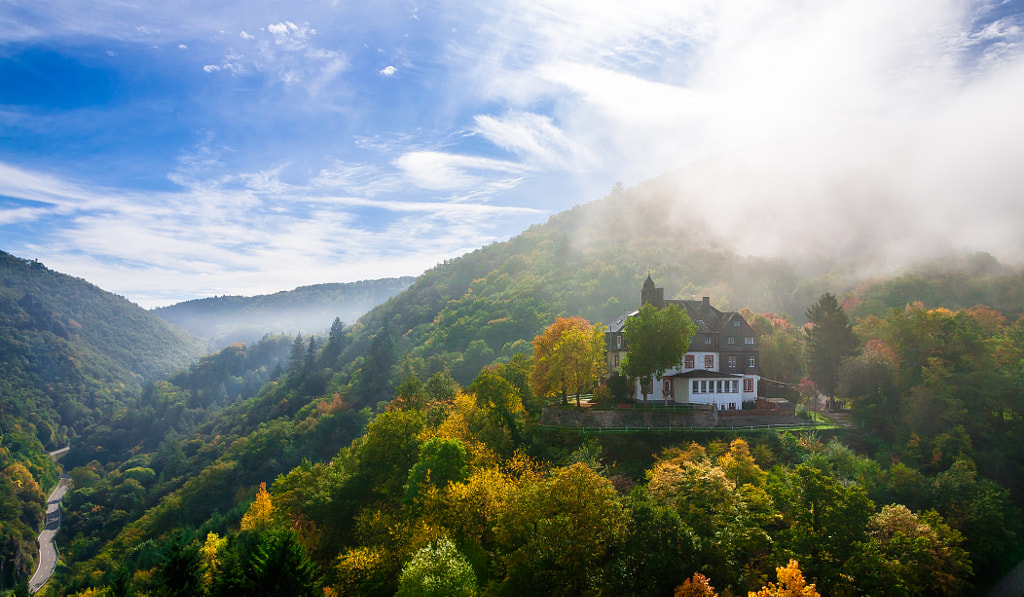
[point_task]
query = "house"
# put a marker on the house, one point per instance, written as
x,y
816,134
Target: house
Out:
x,y
720,367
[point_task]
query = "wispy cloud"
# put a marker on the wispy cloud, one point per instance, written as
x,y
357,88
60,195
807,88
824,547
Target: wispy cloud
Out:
x,y
534,138
245,233
438,170
353,140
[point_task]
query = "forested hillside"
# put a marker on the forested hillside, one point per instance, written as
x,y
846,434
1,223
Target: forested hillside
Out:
x,y
307,310
407,446
70,353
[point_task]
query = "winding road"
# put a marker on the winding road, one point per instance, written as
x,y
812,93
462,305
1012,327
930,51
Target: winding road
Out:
x,y
47,550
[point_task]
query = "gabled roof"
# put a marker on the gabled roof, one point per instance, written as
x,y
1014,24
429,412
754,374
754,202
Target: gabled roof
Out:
x,y
620,324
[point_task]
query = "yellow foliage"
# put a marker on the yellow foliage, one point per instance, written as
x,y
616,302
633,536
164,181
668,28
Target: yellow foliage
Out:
x,y
462,419
694,453
697,585
22,478
358,565
261,511
471,509
739,465
210,558
791,584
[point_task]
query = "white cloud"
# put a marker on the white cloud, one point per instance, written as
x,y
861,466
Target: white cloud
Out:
x,y
21,214
534,138
815,119
211,68
182,47
387,71
245,35
446,171
247,233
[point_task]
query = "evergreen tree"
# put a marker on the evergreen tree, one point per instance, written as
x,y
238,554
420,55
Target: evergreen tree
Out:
x,y
375,377
296,358
337,341
830,339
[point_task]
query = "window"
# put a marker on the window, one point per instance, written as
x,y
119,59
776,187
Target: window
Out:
x,y
732,340
703,387
735,323
668,387
748,384
618,357
718,386
709,361
732,406
749,340
618,341
707,339
735,386
751,362
700,322
732,362
696,387
688,362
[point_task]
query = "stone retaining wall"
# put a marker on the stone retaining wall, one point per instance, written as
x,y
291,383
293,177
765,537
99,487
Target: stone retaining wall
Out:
x,y
627,418
667,418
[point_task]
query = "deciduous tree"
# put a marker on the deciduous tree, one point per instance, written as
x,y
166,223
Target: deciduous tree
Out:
x,y
656,339
568,356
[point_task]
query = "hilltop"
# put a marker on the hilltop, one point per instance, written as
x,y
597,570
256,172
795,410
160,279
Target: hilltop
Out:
x,y
306,309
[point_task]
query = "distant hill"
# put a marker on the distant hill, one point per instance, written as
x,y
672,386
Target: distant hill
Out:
x,y
307,309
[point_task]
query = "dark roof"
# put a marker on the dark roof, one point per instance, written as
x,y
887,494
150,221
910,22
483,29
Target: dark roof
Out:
x,y
705,374
620,323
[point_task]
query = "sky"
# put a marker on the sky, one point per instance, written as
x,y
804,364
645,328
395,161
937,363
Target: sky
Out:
x,y
174,150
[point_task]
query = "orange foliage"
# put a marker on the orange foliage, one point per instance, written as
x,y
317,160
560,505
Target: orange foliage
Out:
x,y
544,344
697,585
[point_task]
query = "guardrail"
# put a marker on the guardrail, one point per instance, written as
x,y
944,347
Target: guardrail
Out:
x,y
630,429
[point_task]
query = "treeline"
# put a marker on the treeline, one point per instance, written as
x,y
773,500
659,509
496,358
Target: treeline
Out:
x,y
459,488
455,490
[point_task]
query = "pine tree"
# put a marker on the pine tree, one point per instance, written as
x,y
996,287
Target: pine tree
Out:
x,y
830,339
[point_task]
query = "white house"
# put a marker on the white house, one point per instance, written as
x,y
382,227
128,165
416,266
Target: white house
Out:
x,y
720,368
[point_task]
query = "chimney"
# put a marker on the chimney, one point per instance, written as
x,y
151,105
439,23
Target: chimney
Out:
x,y
706,304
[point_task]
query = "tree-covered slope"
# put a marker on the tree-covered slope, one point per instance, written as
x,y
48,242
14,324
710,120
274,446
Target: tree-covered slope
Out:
x,y
69,352
307,309
591,261
466,314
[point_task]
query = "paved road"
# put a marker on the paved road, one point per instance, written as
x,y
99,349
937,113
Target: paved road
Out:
x,y
47,550
1012,584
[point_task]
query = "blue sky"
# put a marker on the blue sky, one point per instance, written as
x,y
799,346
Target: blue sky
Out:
x,y
171,150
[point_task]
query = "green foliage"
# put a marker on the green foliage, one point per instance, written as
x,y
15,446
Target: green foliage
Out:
x,y
441,461
656,339
830,338
437,570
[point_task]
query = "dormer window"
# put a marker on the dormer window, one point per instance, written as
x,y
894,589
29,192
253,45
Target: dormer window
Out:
x,y
736,323
700,322
707,339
